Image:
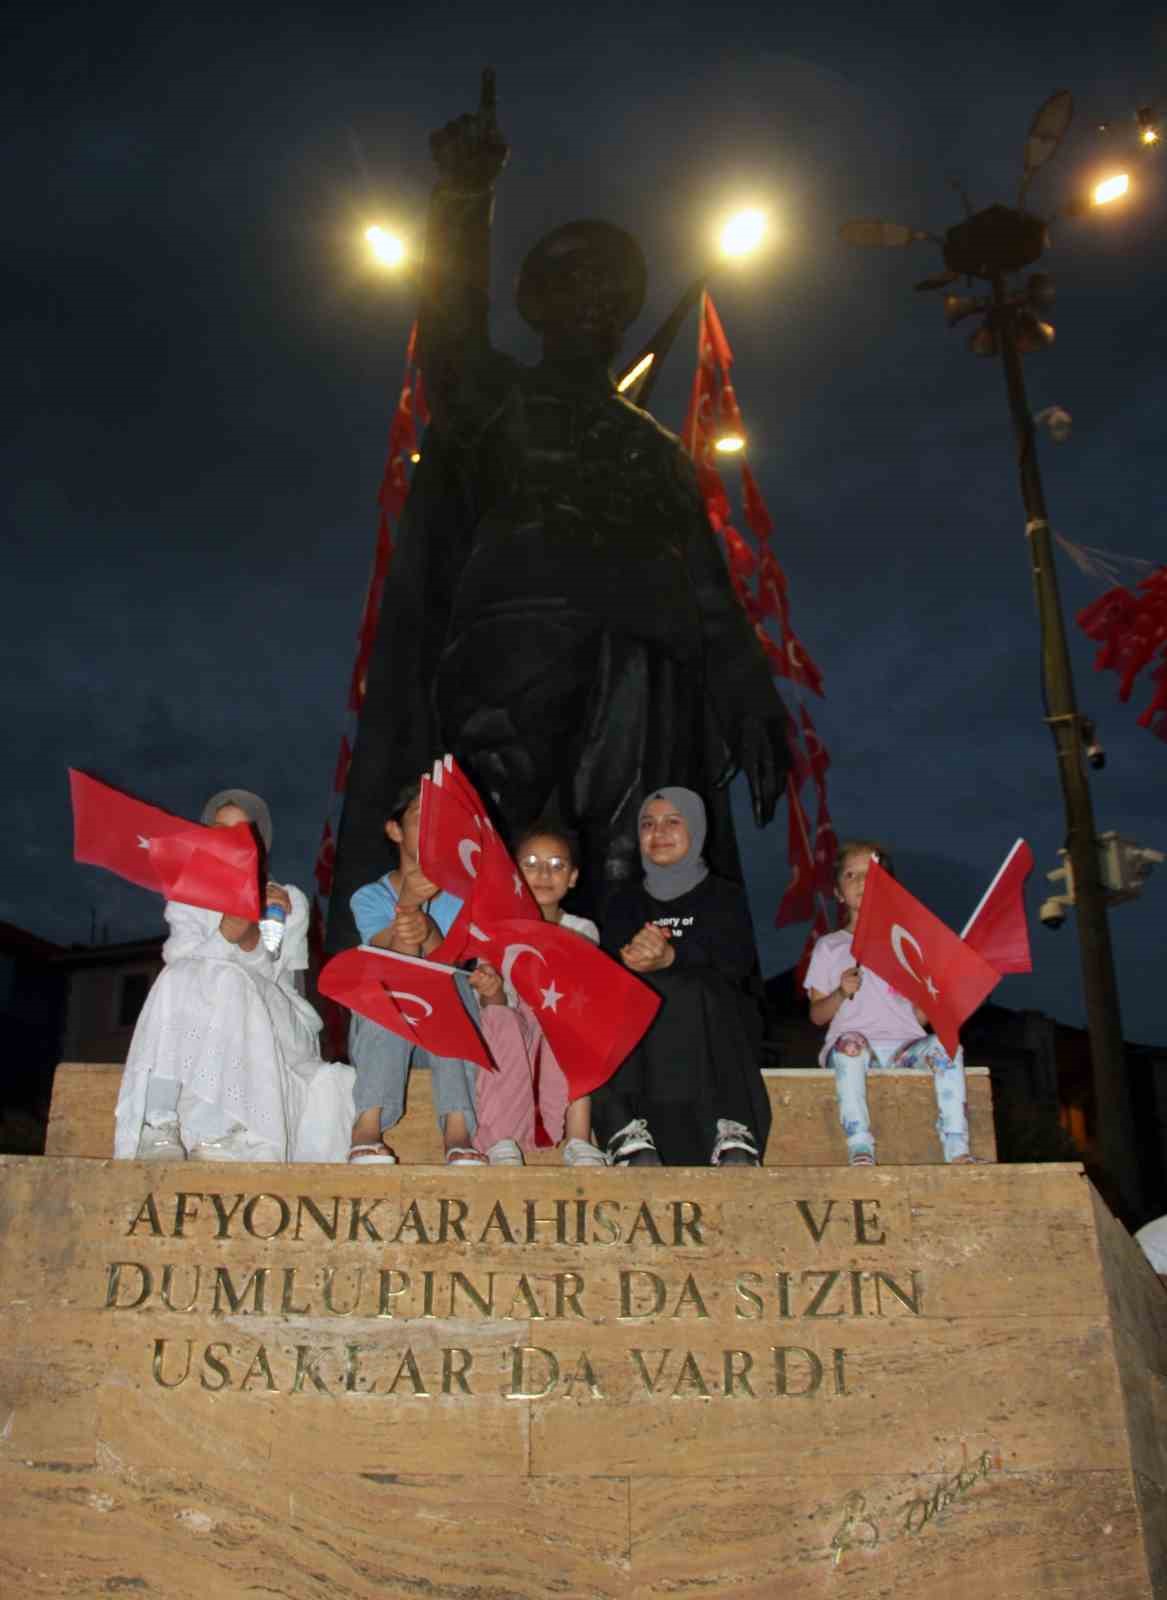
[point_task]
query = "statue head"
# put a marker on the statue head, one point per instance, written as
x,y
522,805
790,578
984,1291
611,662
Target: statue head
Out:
x,y
582,285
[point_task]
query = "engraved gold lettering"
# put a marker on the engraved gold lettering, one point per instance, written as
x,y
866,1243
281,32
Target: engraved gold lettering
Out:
x,y
147,1212
385,1307
451,1224
253,1205
690,1295
829,1281
524,1297
814,1228
568,1296
114,1283
783,1281
855,1529
354,1383
412,1220
409,1368
913,1301
737,1378
690,1374
260,1368
256,1285
644,1219
649,1381
330,1278
329,1228
857,1293
581,1221
522,1381
601,1219
748,1297
160,1360
223,1215
840,1357
782,1375
168,1285
306,1359
583,1374
286,1306
184,1212
683,1224
459,1280
627,1274
535,1222
213,1364
427,1295
359,1214
452,1374
497,1219
863,1222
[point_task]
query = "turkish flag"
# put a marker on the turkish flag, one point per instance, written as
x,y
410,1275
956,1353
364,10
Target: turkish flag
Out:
x,y
417,1000
592,1010
215,868
797,903
997,929
908,947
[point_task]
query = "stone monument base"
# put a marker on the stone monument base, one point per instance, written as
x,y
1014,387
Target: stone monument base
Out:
x,y
329,1382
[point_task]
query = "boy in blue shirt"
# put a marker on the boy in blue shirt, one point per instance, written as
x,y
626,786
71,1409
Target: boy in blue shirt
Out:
x,y
405,912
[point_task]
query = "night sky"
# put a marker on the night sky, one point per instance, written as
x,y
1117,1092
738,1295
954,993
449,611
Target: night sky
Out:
x,y
201,368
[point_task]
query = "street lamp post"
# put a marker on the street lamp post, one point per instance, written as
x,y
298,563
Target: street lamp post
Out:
x,y
1116,1138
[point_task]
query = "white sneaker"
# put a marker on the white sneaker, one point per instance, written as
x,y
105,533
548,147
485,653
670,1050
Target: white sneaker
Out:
x,y
735,1145
505,1153
582,1153
633,1145
238,1145
160,1142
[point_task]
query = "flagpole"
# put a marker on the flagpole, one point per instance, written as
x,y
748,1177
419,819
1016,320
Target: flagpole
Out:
x,y
1116,1135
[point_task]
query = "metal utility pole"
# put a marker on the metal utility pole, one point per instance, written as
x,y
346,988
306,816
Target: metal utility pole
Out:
x,y
1116,1134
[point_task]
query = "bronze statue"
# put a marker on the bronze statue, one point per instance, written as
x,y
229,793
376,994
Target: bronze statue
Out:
x,y
558,612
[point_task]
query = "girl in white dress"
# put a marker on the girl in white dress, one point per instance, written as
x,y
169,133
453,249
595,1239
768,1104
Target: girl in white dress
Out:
x,y
225,1061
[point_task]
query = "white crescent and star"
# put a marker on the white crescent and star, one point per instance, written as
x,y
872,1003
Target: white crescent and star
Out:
x,y
551,997
143,844
467,849
899,937
403,994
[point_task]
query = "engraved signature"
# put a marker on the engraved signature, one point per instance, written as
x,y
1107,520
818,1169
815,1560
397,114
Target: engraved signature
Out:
x,y
859,1530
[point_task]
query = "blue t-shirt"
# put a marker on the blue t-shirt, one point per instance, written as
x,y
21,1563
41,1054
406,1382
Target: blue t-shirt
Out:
x,y
375,905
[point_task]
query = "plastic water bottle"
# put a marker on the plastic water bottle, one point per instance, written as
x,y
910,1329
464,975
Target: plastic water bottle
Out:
x,y
271,928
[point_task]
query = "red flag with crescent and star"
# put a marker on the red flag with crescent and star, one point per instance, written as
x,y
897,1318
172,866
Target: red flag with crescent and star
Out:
x,y
899,938
997,928
416,999
214,868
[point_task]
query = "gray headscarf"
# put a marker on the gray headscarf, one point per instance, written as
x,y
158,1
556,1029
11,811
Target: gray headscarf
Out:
x,y
669,883
252,807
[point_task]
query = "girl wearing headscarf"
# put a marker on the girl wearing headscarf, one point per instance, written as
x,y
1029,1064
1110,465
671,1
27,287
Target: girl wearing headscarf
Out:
x,y
691,1093
225,1063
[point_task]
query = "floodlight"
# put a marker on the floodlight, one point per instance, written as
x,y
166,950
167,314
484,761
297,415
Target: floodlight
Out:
x,y
1111,189
386,247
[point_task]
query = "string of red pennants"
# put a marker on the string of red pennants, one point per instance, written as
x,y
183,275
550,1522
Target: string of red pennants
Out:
x,y
758,581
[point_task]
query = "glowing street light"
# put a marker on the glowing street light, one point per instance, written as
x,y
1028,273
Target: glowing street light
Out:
x,y
387,249
1111,189
730,444
743,233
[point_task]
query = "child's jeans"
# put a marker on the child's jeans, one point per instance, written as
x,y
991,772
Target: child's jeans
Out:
x,y
383,1060
526,1072
852,1056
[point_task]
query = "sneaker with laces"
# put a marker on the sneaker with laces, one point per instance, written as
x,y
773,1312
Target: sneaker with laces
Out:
x,y
505,1153
633,1146
582,1153
159,1141
735,1146
238,1145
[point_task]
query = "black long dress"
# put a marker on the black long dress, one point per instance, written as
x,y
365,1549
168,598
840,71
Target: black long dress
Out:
x,y
698,1061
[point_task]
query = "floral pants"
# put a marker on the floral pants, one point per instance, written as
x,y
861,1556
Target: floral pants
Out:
x,y
852,1056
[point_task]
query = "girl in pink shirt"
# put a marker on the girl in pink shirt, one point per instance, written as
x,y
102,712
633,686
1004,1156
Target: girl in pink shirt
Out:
x,y
870,1025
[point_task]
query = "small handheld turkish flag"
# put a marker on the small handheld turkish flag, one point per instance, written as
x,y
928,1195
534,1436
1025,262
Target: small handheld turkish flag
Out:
x,y
215,868
997,928
416,999
902,941
592,1010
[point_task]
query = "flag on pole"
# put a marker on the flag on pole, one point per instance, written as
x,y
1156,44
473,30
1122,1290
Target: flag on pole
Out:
x,y
797,904
899,938
214,868
416,999
997,929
